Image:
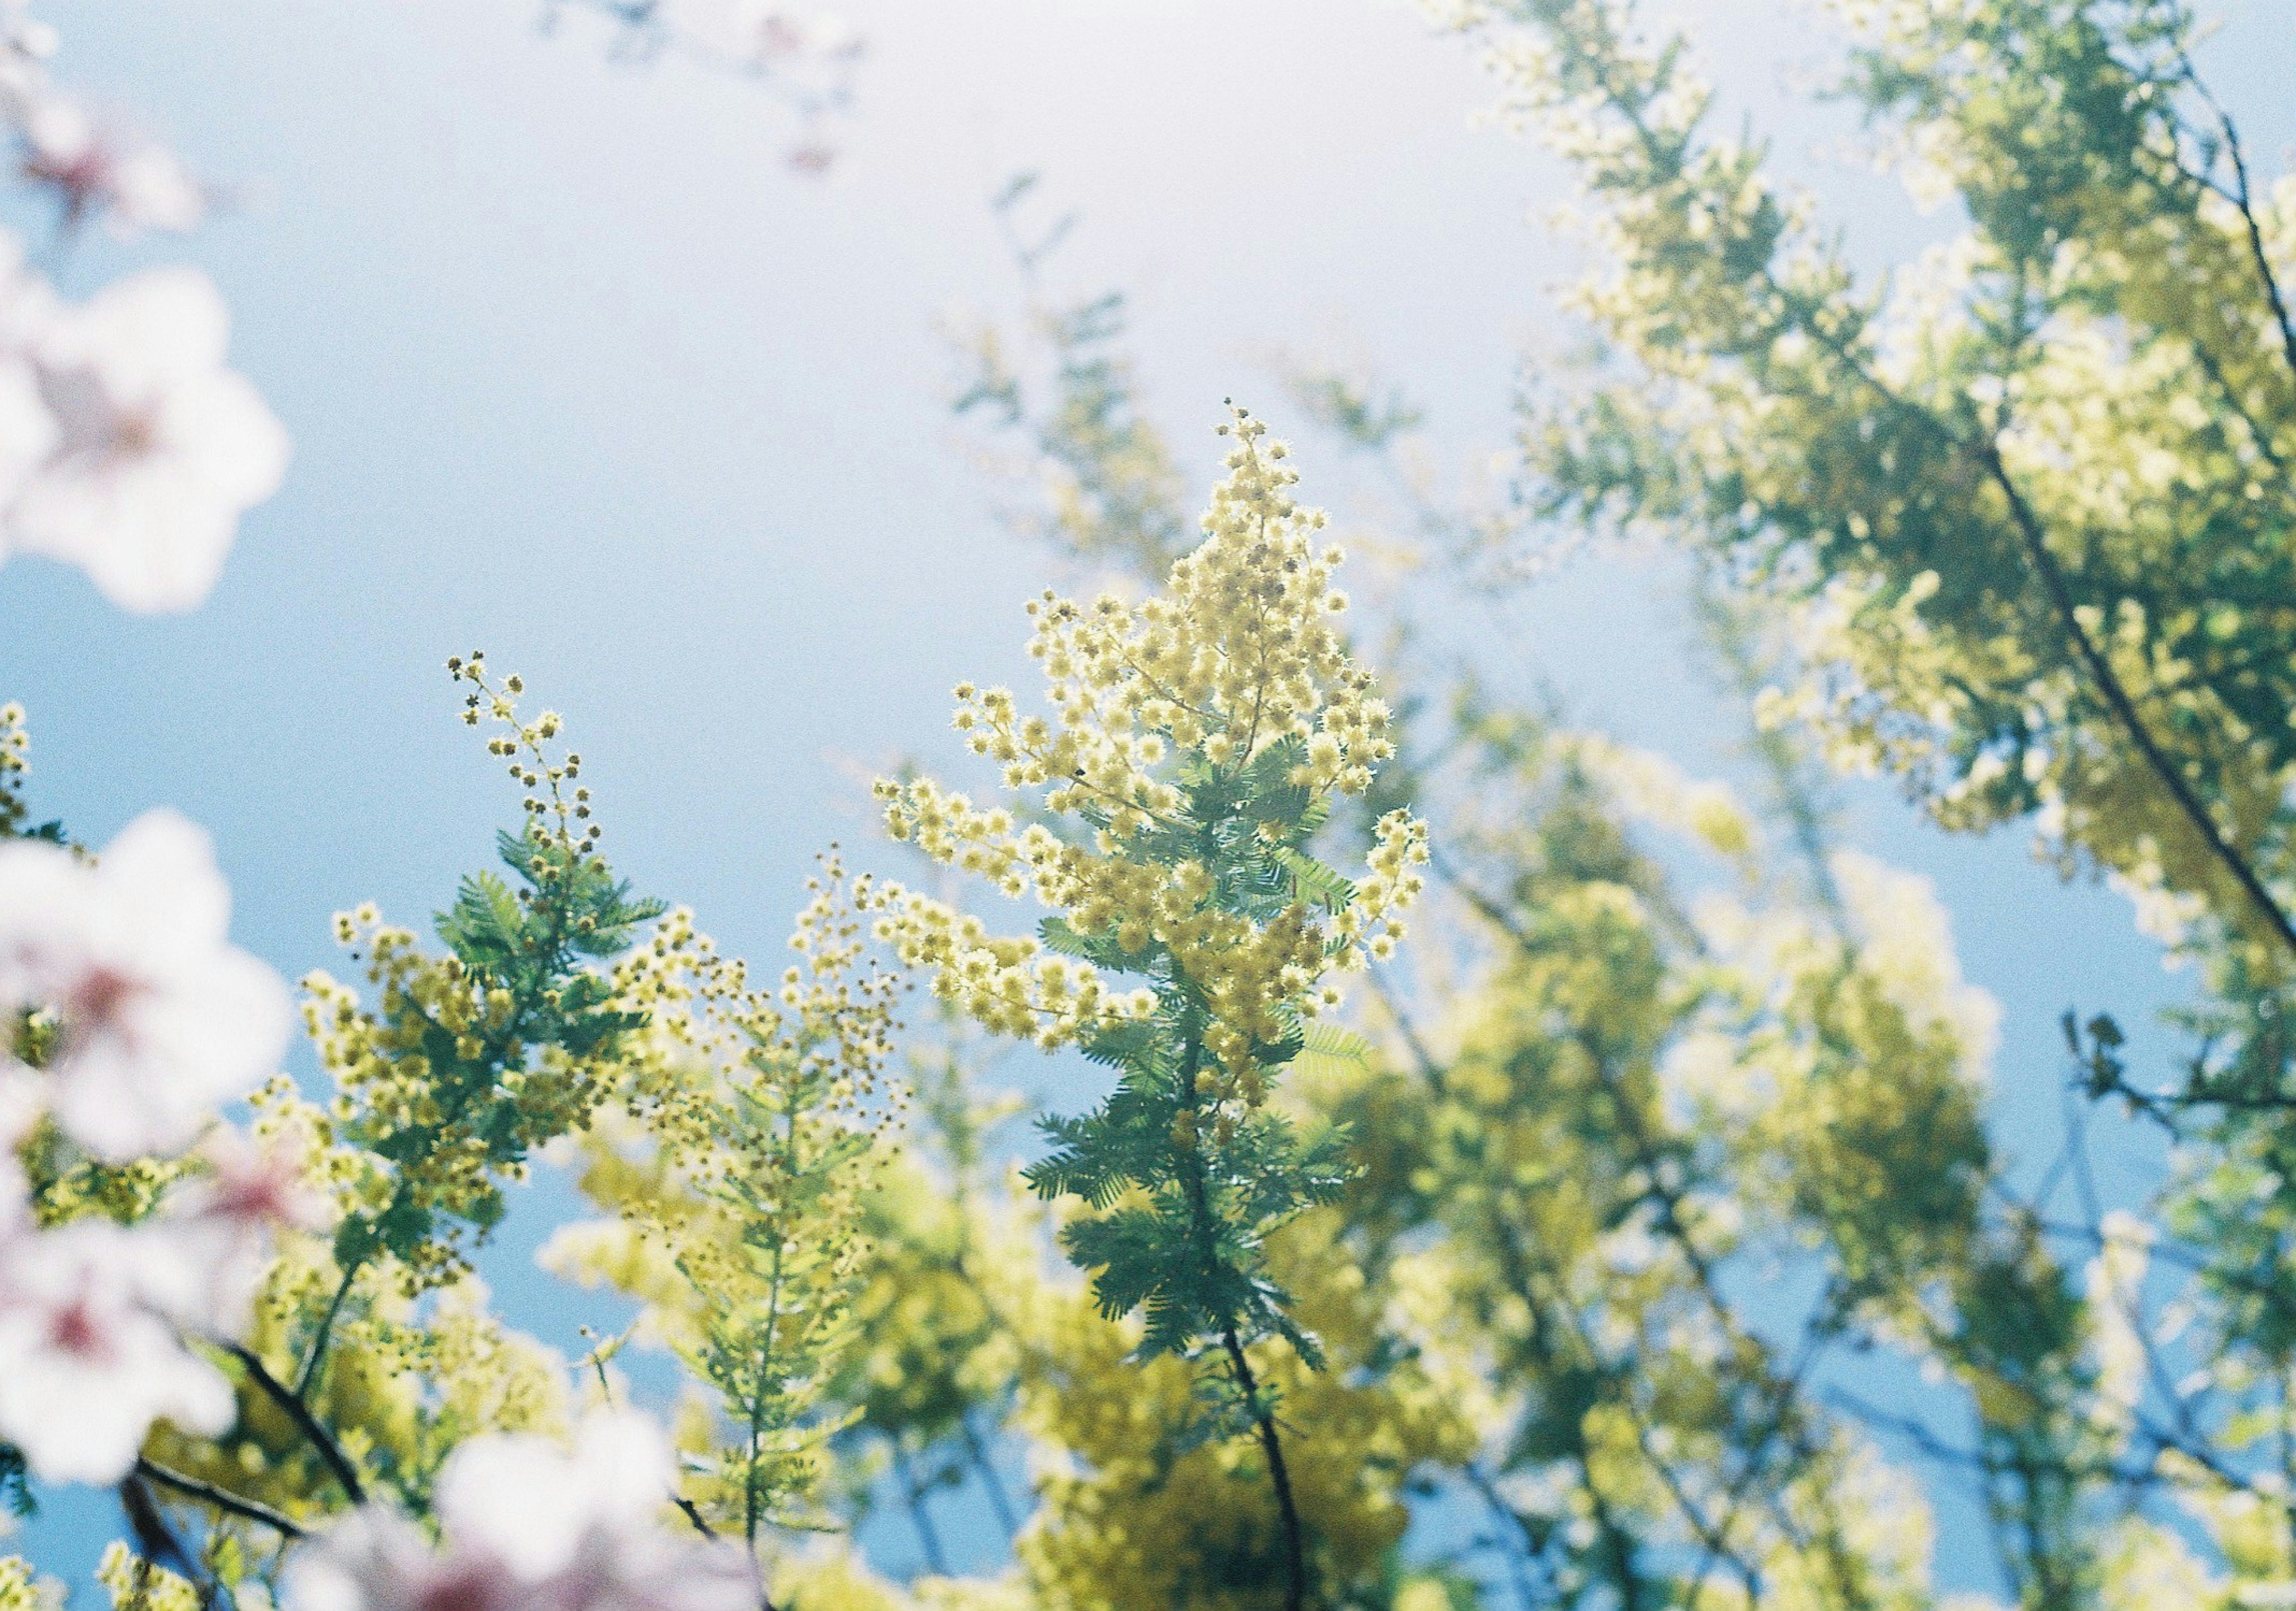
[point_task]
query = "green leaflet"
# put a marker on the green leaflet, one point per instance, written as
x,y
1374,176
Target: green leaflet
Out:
x,y
1313,880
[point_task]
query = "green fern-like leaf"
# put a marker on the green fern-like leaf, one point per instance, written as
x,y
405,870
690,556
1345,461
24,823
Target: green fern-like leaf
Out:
x,y
1314,881
1326,1049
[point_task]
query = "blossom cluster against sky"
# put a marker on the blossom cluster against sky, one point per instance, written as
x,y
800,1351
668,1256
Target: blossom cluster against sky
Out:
x,y
576,369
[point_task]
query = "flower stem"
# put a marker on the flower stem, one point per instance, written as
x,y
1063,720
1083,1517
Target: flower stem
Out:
x,y
308,1378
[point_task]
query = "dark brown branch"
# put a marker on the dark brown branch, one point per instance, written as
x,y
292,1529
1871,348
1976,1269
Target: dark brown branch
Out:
x,y
156,1543
1517,1269
1421,1056
219,1499
2051,577
913,1496
1783,1402
1930,1445
2232,400
1203,1231
1705,1278
2051,574
307,1376
2267,1293
322,1441
1271,1443
693,1513
155,1540
2242,197
1532,1540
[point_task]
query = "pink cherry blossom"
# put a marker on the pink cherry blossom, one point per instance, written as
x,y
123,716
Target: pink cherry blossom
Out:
x,y
527,1527
221,1222
89,1354
159,449
29,434
757,33
160,1018
95,1315
99,171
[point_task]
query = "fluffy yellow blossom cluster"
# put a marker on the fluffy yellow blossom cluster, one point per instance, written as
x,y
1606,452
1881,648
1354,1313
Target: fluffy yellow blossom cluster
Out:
x,y
21,1590
1241,650
135,1585
556,793
512,1037
443,1049
749,1126
1006,983
833,1010
15,748
1195,739
1371,923
385,1055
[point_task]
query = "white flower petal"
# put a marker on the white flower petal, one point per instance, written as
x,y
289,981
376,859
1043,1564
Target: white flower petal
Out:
x,y
145,331
157,878
86,1360
525,1525
162,1020
157,449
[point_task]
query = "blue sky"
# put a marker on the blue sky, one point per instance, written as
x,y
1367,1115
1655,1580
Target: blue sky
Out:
x,y
579,372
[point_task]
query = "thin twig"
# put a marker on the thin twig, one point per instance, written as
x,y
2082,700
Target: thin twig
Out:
x,y
307,1376
2243,199
219,1499
913,1497
1532,1543
693,1513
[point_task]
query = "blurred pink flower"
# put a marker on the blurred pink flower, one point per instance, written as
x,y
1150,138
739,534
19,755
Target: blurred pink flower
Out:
x,y
221,1224
98,170
90,1355
161,1018
527,1527
158,448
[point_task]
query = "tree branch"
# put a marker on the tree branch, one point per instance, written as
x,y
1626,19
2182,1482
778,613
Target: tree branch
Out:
x,y
1295,1552
2051,577
2242,197
308,1375
977,1453
913,1495
1799,312
219,1499
322,1441
692,1512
